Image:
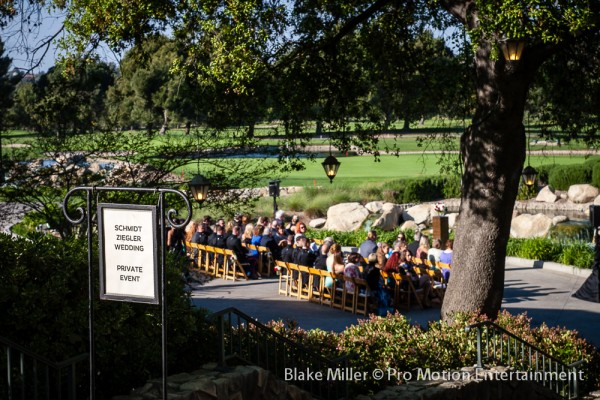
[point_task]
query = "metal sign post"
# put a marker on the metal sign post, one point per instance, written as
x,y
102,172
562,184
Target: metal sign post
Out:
x,y
131,239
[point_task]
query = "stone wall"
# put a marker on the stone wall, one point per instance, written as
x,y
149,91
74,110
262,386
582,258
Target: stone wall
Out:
x,y
210,383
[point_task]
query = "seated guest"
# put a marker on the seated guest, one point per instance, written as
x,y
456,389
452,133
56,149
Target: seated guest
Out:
x,y
423,248
279,217
382,254
256,238
434,253
287,253
323,253
190,229
351,270
268,242
335,263
291,227
234,243
200,237
401,239
304,256
446,257
414,245
217,239
248,233
369,245
321,261
300,228
207,220
419,282
393,262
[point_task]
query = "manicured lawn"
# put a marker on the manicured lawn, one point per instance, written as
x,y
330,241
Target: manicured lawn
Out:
x,y
354,170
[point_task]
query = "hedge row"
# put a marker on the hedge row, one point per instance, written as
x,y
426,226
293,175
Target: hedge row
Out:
x,y
562,176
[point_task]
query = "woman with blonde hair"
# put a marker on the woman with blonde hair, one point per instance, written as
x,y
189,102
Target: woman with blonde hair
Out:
x,y
247,235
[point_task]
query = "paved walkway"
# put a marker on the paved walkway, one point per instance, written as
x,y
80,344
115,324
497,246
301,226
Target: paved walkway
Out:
x,y
541,290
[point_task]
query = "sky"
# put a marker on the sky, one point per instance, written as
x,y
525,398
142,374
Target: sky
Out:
x,y
22,42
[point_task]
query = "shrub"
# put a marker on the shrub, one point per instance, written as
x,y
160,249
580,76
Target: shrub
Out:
x,y
562,176
452,186
513,248
44,303
544,173
419,190
577,254
540,249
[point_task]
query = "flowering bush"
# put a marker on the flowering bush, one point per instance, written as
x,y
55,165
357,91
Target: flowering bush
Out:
x,y
393,343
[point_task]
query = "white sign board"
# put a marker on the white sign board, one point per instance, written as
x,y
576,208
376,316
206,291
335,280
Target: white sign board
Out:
x,y
128,247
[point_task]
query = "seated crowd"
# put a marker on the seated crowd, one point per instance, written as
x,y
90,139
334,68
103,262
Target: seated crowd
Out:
x,y
374,261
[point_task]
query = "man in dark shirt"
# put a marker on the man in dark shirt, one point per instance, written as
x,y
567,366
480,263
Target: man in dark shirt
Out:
x,y
217,239
234,243
201,235
414,245
287,253
268,241
304,256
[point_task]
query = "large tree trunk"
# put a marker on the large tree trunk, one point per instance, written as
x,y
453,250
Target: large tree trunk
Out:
x,y
493,150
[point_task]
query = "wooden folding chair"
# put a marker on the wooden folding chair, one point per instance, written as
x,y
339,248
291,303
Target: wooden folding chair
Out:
x,y
349,294
233,267
408,291
259,258
362,294
192,252
266,260
210,260
327,293
337,292
316,286
304,283
285,278
294,274
220,262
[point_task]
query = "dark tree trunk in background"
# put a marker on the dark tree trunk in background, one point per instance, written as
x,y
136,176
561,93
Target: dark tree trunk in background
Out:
x,y
493,150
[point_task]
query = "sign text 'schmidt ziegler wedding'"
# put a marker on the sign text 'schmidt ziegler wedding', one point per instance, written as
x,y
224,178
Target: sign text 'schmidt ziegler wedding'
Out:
x,y
128,253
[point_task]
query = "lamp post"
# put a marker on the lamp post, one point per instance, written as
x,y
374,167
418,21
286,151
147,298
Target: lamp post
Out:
x,y
199,186
512,49
274,192
331,165
529,176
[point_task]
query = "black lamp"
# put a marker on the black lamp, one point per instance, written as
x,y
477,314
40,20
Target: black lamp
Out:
x,y
529,176
331,165
199,186
512,49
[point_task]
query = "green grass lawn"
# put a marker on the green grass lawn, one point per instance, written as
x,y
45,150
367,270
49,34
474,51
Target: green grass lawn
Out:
x,y
354,170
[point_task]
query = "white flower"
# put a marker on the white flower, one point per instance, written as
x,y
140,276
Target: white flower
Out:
x,y
440,208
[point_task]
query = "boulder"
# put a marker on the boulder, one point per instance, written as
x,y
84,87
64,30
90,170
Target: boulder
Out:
x,y
317,223
346,217
421,213
409,226
546,195
559,218
529,226
374,206
390,216
597,201
452,219
582,193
